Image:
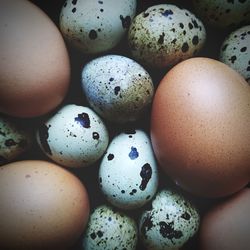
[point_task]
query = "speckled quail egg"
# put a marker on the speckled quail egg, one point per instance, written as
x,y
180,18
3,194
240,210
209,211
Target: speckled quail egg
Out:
x,y
128,173
109,229
235,51
118,88
223,14
170,223
165,34
96,26
14,140
74,137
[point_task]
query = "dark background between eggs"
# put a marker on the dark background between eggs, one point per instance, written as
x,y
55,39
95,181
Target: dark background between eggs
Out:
x,y
89,175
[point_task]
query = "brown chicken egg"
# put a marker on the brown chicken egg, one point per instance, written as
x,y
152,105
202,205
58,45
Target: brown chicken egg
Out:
x,y
34,62
200,127
42,206
226,226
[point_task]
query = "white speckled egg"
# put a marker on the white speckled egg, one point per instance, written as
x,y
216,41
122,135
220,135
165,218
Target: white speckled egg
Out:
x,y
128,174
74,137
117,88
165,34
109,229
235,51
170,223
223,14
14,140
96,26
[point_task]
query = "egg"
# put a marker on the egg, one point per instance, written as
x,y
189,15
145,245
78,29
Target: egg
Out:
x,y
200,123
43,206
165,34
96,26
109,229
227,224
121,91
170,223
235,51
128,174
75,136
34,64
15,140
223,14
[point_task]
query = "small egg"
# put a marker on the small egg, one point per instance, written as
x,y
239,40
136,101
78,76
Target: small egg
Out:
x,y
43,206
74,137
223,14
170,223
96,26
109,229
235,51
121,91
128,174
14,140
165,34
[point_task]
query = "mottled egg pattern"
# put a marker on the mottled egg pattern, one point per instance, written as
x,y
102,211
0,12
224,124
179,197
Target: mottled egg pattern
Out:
x,y
170,223
128,174
109,229
223,13
14,140
235,51
121,91
96,26
74,137
164,34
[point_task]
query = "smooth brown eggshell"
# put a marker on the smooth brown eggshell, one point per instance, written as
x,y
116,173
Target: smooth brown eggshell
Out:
x,y
34,62
226,226
200,127
43,206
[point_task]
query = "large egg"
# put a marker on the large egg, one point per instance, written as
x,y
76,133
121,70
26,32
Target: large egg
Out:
x,y
34,62
227,224
43,206
200,127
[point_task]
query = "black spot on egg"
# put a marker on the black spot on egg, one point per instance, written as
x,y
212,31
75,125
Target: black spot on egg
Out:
x,y
83,119
181,25
243,49
186,216
93,236
133,154
95,136
190,26
43,132
126,21
195,40
133,192
167,231
167,13
110,157
73,10
100,2
146,225
130,131
233,59
161,38
74,2
93,35
10,143
184,47
117,90
146,173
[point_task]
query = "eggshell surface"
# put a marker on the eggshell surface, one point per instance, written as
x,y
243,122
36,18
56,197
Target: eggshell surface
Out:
x,y
170,223
34,64
110,229
121,91
200,127
75,136
43,206
164,35
128,173
96,26
227,224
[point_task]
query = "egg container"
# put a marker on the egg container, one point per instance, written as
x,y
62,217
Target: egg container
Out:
x,y
89,175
